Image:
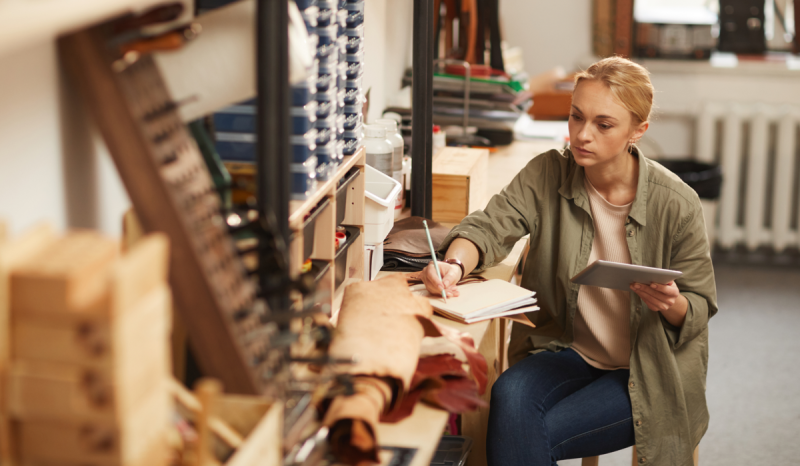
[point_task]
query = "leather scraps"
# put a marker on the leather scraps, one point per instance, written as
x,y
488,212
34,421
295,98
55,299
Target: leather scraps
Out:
x,y
378,328
440,380
352,420
406,247
381,326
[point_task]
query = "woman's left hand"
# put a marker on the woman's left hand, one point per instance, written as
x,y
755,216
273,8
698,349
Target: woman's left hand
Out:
x,y
657,297
666,299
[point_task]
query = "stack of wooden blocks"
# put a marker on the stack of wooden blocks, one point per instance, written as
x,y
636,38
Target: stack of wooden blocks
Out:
x,y
87,369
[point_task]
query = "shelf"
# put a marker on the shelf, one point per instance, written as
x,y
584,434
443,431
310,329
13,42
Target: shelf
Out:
x,y
338,295
27,22
298,209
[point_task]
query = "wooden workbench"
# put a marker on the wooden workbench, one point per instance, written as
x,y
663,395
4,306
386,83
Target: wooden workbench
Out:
x,y
423,429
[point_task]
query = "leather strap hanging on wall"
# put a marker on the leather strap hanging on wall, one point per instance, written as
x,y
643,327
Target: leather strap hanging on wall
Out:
x,y
603,27
612,27
623,28
478,22
796,48
489,26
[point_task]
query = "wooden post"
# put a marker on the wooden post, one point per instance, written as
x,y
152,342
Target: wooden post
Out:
x,y
208,391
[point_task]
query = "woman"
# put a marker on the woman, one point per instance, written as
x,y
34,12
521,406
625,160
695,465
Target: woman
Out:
x,y
603,369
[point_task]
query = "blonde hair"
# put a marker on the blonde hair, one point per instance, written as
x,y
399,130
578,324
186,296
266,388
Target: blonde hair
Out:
x,y
629,83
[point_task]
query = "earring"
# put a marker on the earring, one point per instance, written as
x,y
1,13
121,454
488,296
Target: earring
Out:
x,y
630,146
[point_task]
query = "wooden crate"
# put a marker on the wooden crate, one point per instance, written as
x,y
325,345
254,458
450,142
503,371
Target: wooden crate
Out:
x,y
13,252
93,338
69,275
459,178
248,430
99,443
110,389
89,353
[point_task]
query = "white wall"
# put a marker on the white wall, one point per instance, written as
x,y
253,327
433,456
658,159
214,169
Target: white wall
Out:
x,y
388,36
53,165
551,33
31,180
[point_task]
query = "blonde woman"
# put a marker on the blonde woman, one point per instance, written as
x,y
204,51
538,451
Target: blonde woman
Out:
x,y
603,369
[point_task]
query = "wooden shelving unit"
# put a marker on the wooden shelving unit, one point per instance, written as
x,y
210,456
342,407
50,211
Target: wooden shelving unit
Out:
x,y
347,265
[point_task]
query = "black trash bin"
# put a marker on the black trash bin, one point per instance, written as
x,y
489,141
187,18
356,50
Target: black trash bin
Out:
x,y
704,178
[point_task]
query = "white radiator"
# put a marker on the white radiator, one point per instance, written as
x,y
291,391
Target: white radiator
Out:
x,y
758,149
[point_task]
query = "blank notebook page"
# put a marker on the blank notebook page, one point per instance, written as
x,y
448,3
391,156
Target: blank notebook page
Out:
x,y
480,297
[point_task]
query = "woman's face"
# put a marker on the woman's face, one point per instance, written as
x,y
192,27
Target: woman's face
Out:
x,y
599,127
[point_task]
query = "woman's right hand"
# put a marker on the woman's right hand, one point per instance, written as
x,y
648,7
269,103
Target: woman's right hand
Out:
x,y
451,274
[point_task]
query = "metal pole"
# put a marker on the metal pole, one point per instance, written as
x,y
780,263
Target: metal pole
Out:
x,y
422,110
273,133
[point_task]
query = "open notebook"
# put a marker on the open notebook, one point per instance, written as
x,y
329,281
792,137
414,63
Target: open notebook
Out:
x,y
482,300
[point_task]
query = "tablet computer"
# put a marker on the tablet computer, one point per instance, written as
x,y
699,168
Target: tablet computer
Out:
x,y
619,276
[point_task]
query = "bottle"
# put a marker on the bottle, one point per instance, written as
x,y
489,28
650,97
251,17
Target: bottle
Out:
x,y
397,159
439,140
379,149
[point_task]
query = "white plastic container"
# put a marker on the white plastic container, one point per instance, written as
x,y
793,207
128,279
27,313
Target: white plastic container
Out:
x,y
397,159
373,260
381,192
379,149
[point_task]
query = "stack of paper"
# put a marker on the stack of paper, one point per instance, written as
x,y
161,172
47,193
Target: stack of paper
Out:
x,y
495,102
482,300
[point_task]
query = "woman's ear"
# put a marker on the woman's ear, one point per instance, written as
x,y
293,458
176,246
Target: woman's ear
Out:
x,y
640,130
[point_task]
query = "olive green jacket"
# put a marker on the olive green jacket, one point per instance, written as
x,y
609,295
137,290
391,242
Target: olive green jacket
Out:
x,y
665,228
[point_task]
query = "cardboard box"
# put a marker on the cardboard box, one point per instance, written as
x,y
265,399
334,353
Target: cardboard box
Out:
x,y
459,177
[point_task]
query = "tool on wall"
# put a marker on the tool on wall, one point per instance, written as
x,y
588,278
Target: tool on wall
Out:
x,y
172,191
236,336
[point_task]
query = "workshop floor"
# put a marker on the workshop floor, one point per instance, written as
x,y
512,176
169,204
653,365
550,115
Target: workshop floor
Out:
x,y
754,371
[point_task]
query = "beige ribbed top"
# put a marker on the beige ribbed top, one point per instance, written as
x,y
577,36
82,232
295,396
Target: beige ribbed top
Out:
x,y
602,322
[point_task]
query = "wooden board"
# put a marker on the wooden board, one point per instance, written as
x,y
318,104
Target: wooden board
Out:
x,y
324,232
354,199
422,430
263,446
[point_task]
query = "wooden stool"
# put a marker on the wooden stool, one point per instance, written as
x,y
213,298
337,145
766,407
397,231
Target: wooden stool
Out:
x,y
595,460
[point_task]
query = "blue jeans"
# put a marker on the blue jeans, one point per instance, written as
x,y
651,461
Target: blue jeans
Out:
x,y
554,406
